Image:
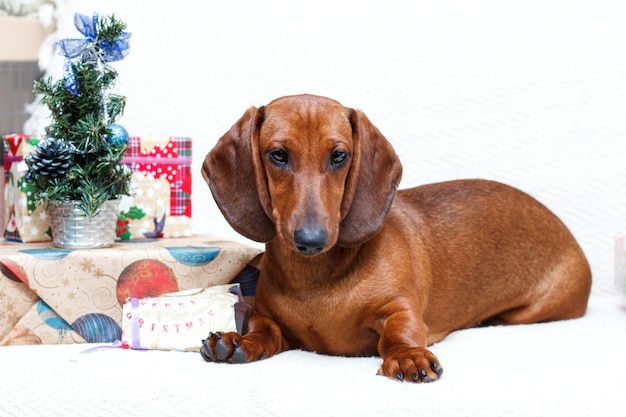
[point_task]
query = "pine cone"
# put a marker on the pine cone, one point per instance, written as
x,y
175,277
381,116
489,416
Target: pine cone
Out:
x,y
51,158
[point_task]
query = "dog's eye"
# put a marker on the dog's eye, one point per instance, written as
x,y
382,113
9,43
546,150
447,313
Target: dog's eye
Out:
x,y
279,157
337,158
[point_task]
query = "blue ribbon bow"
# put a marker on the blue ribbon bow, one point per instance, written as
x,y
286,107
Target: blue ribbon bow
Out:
x,y
90,48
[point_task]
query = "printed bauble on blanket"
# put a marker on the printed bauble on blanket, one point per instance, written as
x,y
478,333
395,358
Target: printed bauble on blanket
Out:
x,y
161,186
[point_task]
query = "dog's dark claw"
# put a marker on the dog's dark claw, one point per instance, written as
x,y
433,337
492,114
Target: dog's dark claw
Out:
x,y
206,352
221,350
415,377
400,376
436,368
425,377
238,355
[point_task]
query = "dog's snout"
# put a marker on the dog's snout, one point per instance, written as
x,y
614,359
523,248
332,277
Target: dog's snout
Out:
x,y
310,241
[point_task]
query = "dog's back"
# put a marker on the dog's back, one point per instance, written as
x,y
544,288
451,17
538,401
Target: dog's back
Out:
x,y
496,255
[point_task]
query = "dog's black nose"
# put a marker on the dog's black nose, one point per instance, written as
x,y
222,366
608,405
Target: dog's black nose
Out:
x,y
310,241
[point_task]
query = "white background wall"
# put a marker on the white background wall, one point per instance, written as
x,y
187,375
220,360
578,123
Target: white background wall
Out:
x,y
532,93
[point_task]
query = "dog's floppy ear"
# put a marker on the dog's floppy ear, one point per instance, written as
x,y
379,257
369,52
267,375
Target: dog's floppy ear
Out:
x,y
237,182
371,184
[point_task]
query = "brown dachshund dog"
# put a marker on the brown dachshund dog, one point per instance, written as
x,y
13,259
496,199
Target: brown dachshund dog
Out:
x,y
353,267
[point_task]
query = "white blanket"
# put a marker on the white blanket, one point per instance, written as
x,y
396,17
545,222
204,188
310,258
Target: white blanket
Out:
x,y
573,368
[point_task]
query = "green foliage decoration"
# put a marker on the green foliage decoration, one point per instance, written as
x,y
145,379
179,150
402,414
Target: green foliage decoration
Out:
x,y
82,111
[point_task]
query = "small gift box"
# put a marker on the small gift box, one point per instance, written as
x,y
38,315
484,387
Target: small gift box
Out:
x,y
23,220
161,186
183,319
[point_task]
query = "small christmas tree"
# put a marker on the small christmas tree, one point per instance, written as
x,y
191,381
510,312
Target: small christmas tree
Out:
x,y
80,159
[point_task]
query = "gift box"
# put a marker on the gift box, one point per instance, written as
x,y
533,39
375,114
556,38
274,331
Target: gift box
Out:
x,y
160,204
23,220
182,320
51,295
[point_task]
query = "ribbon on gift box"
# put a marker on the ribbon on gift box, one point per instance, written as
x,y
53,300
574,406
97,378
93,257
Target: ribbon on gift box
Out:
x,y
150,160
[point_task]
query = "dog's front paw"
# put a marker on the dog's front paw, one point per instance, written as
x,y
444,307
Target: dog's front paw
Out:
x,y
412,365
229,347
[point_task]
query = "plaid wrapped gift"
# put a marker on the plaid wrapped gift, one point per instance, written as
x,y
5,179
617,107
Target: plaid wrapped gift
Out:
x,y
160,205
23,220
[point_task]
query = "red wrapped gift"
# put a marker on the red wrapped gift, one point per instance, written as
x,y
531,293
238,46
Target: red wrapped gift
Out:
x,y
160,205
